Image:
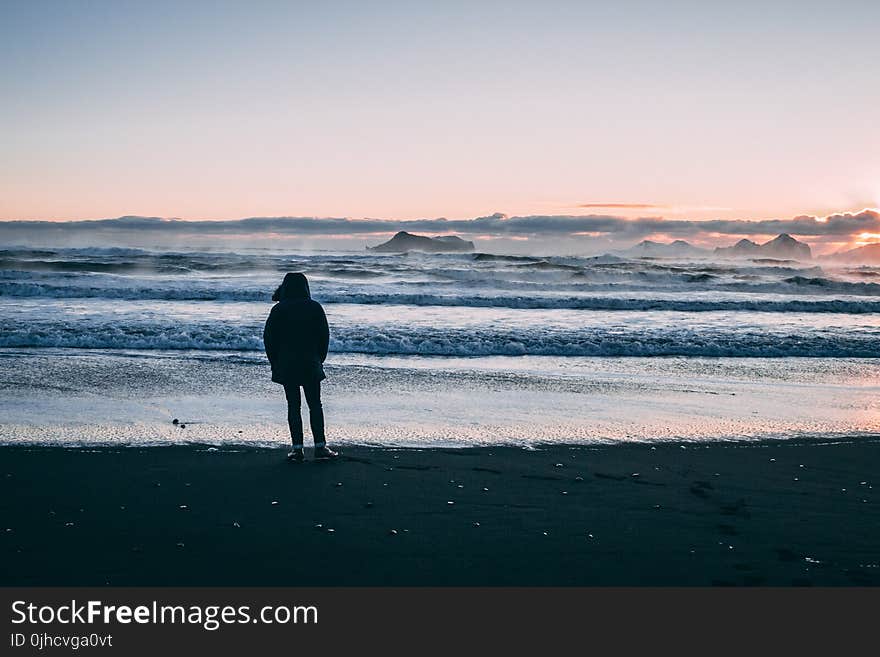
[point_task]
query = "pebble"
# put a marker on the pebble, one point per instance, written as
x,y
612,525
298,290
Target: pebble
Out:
x,y
68,524
450,502
330,530
476,524
274,502
338,484
565,492
558,465
236,525
578,478
485,490
545,533
180,545
319,526
184,507
182,426
369,505
175,421
393,532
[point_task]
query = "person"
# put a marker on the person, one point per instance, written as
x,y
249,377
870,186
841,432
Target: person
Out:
x,y
296,338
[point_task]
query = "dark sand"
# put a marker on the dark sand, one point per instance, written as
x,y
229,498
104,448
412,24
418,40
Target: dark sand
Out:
x,y
784,513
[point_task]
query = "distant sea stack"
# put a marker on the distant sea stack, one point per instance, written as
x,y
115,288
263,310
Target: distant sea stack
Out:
x,y
784,246
868,255
403,242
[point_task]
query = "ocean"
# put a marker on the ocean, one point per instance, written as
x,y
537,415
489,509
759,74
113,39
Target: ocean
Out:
x,y
106,346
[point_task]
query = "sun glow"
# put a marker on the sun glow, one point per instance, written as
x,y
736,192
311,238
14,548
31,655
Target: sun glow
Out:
x,y
864,239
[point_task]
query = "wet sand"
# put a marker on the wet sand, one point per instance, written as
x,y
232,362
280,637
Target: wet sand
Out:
x,y
781,513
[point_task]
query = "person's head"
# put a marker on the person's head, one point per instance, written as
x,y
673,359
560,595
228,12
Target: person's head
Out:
x,y
294,286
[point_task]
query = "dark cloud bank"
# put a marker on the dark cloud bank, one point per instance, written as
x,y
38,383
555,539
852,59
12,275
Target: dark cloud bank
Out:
x,y
606,227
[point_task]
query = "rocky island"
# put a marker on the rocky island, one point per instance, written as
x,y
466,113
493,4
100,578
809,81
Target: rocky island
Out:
x,y
403,242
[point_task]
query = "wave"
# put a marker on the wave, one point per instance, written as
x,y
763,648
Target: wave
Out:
x,y
118,267
496,257
718,341
537,302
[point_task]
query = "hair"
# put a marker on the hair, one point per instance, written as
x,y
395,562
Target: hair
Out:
x,y
294,286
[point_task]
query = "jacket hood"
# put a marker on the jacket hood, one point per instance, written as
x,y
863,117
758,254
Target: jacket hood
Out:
x,y
294,286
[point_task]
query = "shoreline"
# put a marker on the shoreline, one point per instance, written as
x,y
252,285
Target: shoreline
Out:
x,y
777,513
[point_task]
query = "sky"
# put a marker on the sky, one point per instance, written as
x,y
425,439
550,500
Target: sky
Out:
x,y
418,110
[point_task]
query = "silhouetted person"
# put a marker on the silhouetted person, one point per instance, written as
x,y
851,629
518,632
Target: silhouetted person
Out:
x,y
296,338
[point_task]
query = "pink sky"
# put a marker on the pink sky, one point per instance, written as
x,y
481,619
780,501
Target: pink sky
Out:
x,y
701,111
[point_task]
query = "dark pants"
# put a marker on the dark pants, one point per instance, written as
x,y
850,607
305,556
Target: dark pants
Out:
x,y
316,412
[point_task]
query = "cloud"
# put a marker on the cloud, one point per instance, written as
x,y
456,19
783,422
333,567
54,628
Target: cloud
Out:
x,y
631,206
495,225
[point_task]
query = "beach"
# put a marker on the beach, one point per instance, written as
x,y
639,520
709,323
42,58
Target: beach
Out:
x,y
795,512
609,419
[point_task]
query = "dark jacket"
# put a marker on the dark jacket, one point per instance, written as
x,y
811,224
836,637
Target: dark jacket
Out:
x,y
296,336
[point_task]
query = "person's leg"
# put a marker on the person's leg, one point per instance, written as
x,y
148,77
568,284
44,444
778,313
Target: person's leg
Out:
x,y
294,419
316,412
